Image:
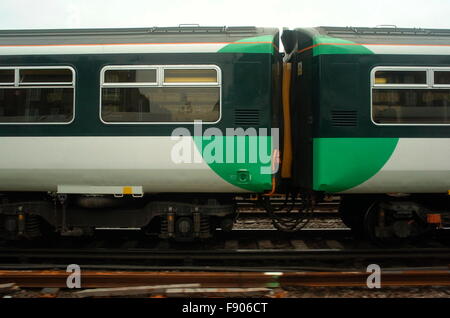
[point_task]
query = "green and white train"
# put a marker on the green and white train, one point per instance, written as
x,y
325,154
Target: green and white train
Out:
x,y
372,107
161,128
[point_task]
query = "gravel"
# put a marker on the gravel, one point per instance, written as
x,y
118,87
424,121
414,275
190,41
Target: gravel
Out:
x,y
301,292
360,292
266,223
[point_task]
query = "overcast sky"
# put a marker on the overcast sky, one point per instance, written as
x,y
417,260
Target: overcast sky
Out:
x,y
26,14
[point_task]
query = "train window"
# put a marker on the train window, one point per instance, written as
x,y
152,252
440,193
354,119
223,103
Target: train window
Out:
x,y
6,76
36,105
190,76
37,96
442,77
411,106
410,95
160,104
131,76
47,76
401,77
175,95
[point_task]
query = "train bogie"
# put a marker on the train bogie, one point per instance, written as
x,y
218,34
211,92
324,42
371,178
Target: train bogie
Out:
x,y
182,218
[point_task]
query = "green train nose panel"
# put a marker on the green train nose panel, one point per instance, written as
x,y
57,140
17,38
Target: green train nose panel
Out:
x,y
329,45
258,44
244,161
343,163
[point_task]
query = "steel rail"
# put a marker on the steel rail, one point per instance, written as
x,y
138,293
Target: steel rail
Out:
x,y
257,234
292,255
261,215
108,279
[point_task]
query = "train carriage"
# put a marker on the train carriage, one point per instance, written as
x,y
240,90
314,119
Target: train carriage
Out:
x,y
90,116
372,107
161,128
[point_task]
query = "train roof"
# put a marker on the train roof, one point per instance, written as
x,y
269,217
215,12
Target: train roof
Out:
x,y
357,40
216,37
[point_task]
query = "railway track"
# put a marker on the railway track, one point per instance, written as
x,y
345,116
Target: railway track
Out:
x,y
210,257
248,250
322,209
264,259
284,280
323,214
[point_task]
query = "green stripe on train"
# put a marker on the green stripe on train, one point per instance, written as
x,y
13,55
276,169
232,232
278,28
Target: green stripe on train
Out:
x,y
341,46
251,45
343,163
240,160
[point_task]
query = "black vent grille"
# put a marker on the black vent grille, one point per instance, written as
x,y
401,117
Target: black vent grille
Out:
x,y
344,118
246,117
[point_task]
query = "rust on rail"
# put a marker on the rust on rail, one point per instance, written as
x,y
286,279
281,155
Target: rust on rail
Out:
x,y
103,279
90,279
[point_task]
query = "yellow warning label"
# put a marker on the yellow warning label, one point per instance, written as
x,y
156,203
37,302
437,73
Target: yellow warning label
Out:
x,y
127,190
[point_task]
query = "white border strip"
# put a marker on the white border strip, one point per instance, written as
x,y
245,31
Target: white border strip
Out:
x,y
112,49
409,49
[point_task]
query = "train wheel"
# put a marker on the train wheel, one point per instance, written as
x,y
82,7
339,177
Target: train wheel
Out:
x,y
395,223
352,211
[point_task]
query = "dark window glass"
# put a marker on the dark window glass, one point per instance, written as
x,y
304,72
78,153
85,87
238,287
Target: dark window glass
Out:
x,y
411,106
190,76
130,76
36,105
160,104
401,77
6,76
442,77
45,76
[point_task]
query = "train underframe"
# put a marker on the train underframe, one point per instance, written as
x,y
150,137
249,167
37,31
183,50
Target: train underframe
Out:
x,y
394,218
178,217
380,218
